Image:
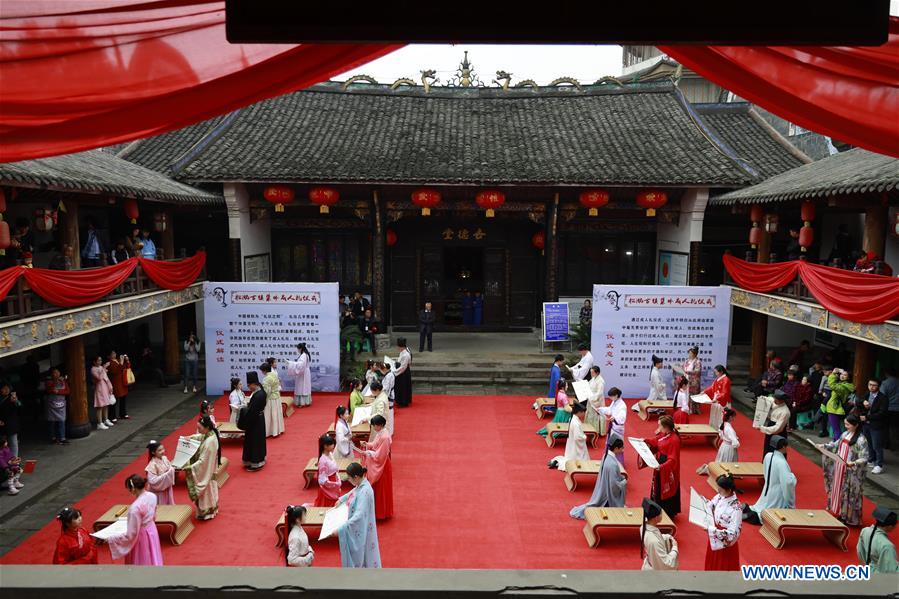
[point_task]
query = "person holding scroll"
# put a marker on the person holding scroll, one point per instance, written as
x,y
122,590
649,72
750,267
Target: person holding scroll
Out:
x,y
139,544
723,552
301,371
274,414
160,474
581,370
874,546
720,389
844,478
665,489
780,483
379,407
359,536
376,457
202,487
611,484
692,367
659,550
777,421
616,413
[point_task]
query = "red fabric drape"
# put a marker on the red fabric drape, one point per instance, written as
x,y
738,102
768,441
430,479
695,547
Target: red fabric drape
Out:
x,y
848,93
154,66
70,288
855,296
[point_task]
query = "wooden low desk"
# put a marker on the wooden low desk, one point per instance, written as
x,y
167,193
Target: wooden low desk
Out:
x,y
310,473
360,432
230,429
739,470
312,523
175,518
578,469
559,430
619,518
287,406
221,473
775,522
706,431
644,405
545,405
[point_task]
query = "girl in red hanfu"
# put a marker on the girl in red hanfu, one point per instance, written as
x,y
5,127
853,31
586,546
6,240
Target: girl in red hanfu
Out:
x,y
681,413
665,446
723,550
720,389
74,546
380,471
328,480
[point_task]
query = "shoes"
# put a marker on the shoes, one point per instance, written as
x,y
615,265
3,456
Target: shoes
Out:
x,y
17,484
115,419
126,417
64,442
877,470
108,423
185,390
195,389
102,426
871,465
13,490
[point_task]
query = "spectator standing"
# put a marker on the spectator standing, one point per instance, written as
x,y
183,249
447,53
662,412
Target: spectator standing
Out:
x,y
9,417
477,305
890,388
842,245
120,253
22,241
793,248
359,305
191,361
56,390
425,327
873,413
369,328
63,259
149,248
586,317
103,394
797,358
117,369
93,247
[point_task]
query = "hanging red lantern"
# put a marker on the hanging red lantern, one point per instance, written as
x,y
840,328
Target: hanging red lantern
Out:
x,y
391,238
278,195
43,220
806,237
160,222
594,200
131,211
426,199
490,200
324,197
756,214
651,200
755,236
807,210
538,240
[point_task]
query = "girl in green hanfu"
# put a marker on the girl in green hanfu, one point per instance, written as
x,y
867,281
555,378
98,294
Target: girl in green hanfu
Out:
x,y
563,406
202,487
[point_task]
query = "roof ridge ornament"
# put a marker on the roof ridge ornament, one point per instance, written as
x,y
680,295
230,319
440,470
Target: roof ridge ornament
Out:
x,y
607,80
566,80
428,78
503,79
465,75
358,78
527,83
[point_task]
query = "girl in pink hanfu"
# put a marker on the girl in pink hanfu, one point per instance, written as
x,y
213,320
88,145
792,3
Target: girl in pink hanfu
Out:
x,y
160,474
328,479
102,393
140,544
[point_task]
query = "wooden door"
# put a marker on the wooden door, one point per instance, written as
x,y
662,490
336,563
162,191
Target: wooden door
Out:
x,y
495,287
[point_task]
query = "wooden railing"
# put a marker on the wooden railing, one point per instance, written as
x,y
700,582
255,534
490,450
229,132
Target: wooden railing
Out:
x,y
21,302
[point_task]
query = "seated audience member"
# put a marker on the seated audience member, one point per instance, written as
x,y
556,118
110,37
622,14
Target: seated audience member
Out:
x,y
780,483
297,551
658,549
10,467
798,357
75,545
771,380
874,546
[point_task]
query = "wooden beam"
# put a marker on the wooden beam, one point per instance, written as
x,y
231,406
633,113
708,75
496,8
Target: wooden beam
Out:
x,y
759,344
875,229
863,368
78,422
171,342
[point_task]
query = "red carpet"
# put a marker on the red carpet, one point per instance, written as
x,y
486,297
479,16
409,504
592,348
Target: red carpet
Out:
x,y
471,490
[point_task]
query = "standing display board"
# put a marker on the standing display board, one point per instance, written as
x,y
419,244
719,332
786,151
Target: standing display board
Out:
x,y
555,321
633,322
249,322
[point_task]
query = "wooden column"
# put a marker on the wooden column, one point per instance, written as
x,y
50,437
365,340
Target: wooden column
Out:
x,y
552,250
875,229
863,369
69,228
234,259
379,260
171,343
760,321
168,236
78,423
695,262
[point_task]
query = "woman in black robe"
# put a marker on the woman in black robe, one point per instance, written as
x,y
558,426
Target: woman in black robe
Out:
x,y
252,422
402,390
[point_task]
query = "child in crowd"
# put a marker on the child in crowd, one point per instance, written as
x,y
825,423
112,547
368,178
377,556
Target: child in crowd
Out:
x,y
75,545
10,467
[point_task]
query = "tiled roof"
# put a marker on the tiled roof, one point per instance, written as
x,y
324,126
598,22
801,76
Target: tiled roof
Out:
x,y
853,171
163,152
751,138
97,171
636,135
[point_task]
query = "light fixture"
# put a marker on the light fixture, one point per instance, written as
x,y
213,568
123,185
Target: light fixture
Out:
x,y
628,253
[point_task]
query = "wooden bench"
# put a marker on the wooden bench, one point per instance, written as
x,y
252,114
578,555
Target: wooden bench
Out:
x,y
360,432
312,524
559,430
578,469
704,431
230,429
606,518
739,470
544,406
174,518
310,473
655,404
775,523
221,473
287,406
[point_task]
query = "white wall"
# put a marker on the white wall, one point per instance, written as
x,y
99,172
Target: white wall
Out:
x,y
677,237
255,237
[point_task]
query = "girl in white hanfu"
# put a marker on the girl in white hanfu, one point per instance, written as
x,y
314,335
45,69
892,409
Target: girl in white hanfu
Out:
x,y
596,401
160,474
301,371
202,487
616,414
236,400
274,416
657,388
343,434
728,442
576,444
297,552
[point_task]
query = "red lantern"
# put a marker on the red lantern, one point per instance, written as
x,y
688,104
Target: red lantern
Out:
x,y
539,240
278,195
43,220
160,222
756,214
426,199
806,237
490,200
651,200
131,210
324,197
391,238
594,200
4,236
755,236
807,210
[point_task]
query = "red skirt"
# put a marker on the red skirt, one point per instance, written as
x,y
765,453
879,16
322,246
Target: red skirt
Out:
x,y
383,490
323,499
723,559
680,417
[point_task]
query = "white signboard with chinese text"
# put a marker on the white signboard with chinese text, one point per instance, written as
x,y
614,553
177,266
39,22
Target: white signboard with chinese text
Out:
x,y
633,322
249,322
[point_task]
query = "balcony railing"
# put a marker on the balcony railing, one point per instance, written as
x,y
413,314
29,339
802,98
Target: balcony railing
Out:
x,y
796,289
21,302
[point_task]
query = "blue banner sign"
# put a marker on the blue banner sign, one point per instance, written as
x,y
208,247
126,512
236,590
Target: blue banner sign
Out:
x,y
555,321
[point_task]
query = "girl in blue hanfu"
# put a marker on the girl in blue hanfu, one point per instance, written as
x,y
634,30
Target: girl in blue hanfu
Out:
x,y
359,536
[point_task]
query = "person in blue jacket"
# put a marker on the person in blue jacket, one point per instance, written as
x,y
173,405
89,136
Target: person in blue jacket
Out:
x,y
478,304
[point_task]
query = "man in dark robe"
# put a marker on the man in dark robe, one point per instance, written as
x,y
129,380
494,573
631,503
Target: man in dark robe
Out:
x,y
252,422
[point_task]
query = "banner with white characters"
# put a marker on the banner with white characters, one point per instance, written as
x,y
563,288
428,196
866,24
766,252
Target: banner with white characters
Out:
x,y
633,322
249,322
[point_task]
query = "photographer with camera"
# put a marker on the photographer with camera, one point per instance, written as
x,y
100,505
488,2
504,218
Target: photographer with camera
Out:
x,y
191,361
56,391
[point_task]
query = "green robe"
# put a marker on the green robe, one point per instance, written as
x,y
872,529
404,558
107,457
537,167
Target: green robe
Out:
x,y
883,552
356,400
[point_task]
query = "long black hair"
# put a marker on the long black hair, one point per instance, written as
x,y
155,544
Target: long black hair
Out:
x,y
720,368
726,417
235,384
206,421
324,441
293,515
854,420
655,360
67,515
135,481
302,348
152,446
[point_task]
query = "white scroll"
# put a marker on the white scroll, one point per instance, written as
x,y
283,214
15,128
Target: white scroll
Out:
x,y
334,519
187,447
644,451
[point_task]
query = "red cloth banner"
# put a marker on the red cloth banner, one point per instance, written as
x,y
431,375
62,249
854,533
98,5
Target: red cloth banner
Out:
x,y
71,288
848,93
153,66
855,296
